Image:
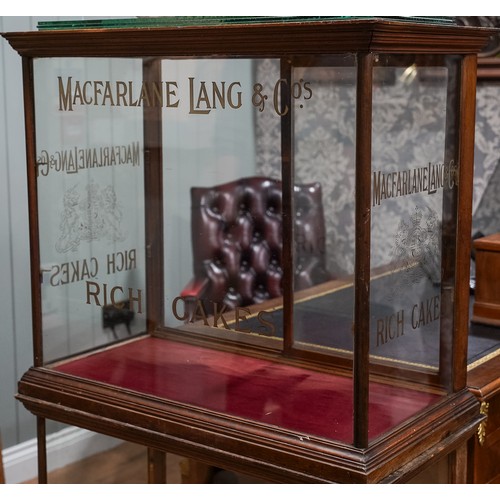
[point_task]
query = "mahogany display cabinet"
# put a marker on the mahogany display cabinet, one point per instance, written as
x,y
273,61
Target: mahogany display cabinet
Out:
x,y
250,241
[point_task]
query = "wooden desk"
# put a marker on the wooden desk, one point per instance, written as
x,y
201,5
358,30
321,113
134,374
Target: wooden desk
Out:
x,y
484,374
487,292
484,382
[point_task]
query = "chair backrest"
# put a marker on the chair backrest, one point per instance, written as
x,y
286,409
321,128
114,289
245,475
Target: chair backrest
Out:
x,y
237,239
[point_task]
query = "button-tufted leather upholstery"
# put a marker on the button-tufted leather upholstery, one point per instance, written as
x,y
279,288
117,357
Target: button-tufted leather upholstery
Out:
x,y
237,240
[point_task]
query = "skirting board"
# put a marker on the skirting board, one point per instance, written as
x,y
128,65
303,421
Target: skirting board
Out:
x,y
63,448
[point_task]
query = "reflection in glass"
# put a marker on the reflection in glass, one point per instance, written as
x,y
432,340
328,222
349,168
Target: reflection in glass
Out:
x,y
222,204
91,206
324,159
410,173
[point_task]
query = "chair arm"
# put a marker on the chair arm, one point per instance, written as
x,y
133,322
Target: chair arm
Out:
x,y
195,288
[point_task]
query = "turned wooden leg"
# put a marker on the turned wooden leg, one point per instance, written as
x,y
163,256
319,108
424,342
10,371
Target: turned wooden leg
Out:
x,y
194,472
157,466
41,435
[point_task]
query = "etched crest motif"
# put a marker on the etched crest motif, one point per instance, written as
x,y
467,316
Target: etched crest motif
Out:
x,y
89,214
417,248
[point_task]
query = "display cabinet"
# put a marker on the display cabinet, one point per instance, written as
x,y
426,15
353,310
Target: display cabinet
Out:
x,y
250,240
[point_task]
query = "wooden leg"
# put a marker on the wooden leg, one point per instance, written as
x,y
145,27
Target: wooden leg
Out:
x,y
42,450
194,472
157,466
2,475
458,465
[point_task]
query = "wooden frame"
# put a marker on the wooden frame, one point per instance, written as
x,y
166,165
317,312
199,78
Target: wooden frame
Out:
x,y
488,69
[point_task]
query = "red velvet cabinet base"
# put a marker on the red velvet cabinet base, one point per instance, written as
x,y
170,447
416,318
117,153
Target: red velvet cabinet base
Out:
x,y
323,334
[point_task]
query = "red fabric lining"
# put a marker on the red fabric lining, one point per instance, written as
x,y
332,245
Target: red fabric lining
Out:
x,y
303,401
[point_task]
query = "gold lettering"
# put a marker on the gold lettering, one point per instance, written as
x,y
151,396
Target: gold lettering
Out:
x,y
132,264
157,94
175,312
219,95
399,185
54,273
432,178
276,98
390,327
43,161
108,95
112,294
307,87
414,187
64,273
193,110
376,188
426,312
383,191
218,315
94,292
97,91
144,96
171,93
239,318
121,93
230,96
453,174
74,271
98,295
121,261
194,311
130,87
65,101
72,160
266,323
199,313
78,94
87,100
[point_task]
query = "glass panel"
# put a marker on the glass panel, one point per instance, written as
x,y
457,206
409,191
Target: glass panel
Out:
x,y
324,131
324,204
223,199
414,172
484,338
226,134
90,202
153,22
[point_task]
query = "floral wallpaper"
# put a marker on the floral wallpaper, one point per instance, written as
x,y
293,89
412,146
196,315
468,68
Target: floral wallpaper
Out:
x,y
408,133
486,201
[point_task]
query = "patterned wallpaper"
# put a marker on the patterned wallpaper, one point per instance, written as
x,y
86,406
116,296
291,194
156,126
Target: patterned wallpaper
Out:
x,y
405,136
486,204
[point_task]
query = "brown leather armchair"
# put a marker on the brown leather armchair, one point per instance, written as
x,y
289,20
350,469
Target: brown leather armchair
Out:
x,y
237,241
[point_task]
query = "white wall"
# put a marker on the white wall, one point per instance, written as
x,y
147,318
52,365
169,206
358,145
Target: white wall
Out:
x,y
16,424
16,354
